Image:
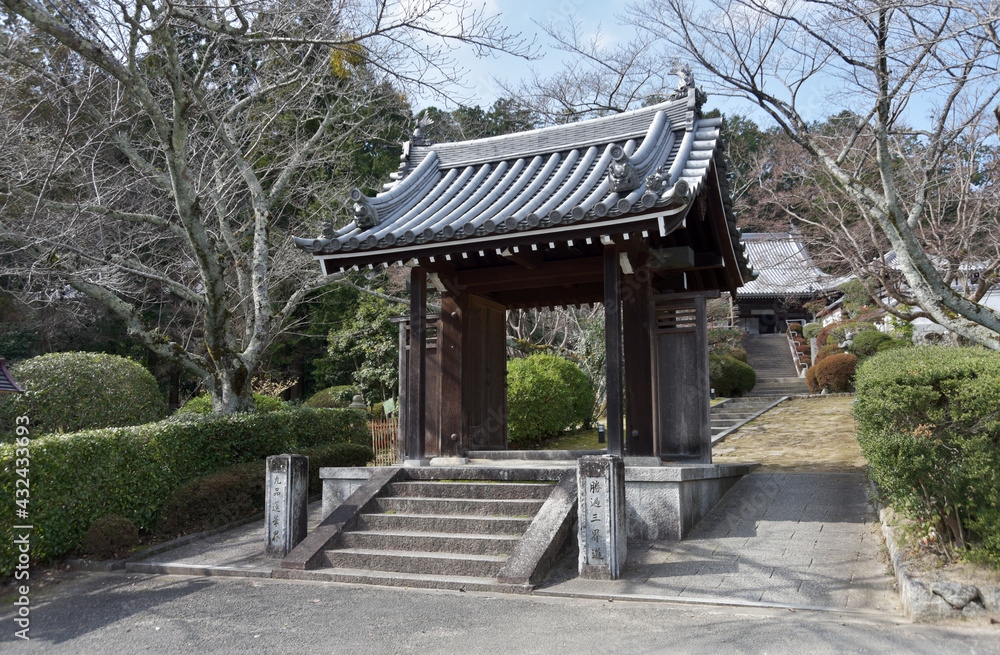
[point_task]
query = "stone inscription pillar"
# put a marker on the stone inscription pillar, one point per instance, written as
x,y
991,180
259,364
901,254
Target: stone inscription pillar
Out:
x,y
602,538
287,496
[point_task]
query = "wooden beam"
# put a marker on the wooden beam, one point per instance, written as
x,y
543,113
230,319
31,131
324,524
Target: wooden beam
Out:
x,y
591,292
529,260
613,349
672,259
501,278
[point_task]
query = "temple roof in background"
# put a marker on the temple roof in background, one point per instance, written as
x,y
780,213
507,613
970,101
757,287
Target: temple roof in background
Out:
x,y
783,267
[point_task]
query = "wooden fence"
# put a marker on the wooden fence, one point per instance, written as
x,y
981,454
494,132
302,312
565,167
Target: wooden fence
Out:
x,y
385,441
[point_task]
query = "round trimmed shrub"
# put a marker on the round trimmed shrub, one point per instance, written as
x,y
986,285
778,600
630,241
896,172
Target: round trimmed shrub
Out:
x,y
810,330
332,397
866,344
826,351
839,334
110,536
729,376
737,353
811,380
545,395
202,405
824,334
795,327
836,372
67,392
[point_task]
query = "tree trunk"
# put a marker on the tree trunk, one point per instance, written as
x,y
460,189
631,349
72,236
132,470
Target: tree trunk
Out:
x,y
231,390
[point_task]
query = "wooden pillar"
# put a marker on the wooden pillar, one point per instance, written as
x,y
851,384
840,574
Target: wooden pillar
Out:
x,y
450,396
402,408
637,325
417,368
613,349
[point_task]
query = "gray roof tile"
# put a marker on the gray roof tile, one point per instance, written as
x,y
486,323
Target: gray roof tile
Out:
x,y
783,267
533,180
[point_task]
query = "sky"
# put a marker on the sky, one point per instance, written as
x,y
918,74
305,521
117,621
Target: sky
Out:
x,y
524,16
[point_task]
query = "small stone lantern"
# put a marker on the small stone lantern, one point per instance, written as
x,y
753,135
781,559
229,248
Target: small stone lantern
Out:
x,y
358,402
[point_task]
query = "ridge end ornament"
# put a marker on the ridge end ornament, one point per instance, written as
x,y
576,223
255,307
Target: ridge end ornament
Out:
x,y
621,173
365,215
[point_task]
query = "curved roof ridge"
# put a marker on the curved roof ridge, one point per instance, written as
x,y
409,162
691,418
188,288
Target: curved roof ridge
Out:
x,y
568,136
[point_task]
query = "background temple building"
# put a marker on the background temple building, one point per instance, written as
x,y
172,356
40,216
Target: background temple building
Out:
x,y
787,279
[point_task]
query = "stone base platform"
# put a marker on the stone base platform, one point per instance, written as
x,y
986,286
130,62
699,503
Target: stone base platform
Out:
x,y
662,503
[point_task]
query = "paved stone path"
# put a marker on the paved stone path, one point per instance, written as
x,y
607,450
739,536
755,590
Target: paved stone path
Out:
x,y
794,539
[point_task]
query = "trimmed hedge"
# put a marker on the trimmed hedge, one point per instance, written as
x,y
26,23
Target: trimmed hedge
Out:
x,y
729,376
810,330
866,344
332,397
238,492
67,392
928,422
834,373
130,471
738,353
202,405
545,395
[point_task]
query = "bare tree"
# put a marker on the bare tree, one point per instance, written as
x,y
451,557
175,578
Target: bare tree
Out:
x,y
877,58
158,153
597,78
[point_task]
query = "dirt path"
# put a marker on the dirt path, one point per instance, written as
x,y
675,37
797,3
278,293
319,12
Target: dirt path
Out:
x,y
801,435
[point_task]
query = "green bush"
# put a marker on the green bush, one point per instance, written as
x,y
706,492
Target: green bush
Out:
x,y
836,372
130,471
545,395
214,500
810,330
928,421
856,328
110,536
238,492
332,397
202,405
737,353
826,351
729,376
66,392
811,380
867,343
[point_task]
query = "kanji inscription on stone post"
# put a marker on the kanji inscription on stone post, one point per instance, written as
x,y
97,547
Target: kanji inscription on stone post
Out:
x,y
601,497
287,495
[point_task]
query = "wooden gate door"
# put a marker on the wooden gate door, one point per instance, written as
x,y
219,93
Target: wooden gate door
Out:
x,y
485,374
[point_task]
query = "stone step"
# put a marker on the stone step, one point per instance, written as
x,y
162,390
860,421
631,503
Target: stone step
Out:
x,y
398,579
470,490
402,561
502,525
454,506
470,544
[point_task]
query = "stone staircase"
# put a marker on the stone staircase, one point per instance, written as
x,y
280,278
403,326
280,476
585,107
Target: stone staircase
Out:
x,y
770,357
730,414
447,534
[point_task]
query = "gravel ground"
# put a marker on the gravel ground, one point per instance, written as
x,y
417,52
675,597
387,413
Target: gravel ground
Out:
x,y
801,435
